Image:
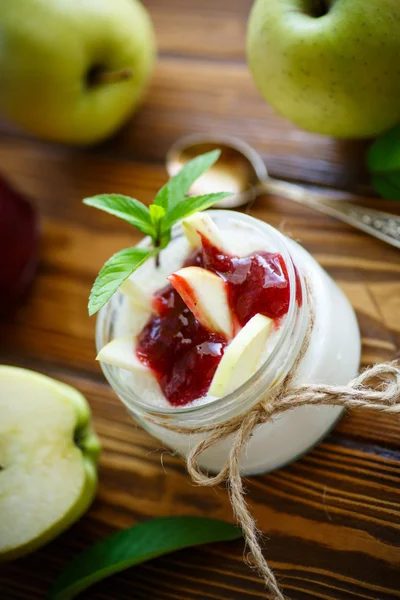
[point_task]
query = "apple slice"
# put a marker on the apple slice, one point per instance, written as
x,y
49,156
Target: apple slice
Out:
x,y
135,294
48,457
241,358
201,225
121,353
205,294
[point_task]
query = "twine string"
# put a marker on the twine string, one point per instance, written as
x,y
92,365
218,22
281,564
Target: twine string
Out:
x,y
376,389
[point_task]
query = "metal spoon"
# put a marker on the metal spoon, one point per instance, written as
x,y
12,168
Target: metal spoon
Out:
x,y
241,170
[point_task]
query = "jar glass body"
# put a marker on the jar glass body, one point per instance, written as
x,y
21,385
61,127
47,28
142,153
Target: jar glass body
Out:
x,y
332,357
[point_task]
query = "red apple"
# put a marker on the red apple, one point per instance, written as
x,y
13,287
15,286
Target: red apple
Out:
x,y
19,237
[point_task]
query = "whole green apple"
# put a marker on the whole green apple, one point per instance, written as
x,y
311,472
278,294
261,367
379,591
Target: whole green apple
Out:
x,y
330,66
73,70
48,457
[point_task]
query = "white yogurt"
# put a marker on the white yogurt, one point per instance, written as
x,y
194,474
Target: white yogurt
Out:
x,y
332,357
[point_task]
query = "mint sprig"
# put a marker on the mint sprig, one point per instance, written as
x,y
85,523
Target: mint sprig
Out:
x,y
170,206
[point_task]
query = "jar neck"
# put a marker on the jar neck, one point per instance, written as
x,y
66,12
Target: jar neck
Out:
x,y
269,375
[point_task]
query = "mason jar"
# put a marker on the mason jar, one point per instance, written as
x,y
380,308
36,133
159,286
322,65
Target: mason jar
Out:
x,y
324,320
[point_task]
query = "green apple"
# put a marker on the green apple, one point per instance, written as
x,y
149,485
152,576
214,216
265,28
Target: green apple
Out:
x,y
330,66
73,70
48,457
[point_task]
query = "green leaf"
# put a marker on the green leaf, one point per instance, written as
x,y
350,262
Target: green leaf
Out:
x,y
180,184
113,274
136,545
383,161
157,214
387,186
126,208
384,154
161,198
191,205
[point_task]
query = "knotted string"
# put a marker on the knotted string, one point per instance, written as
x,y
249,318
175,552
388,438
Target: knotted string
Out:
x,y
377,388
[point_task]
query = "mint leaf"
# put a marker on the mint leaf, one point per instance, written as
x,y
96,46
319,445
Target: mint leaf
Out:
x,y
180,184
113,274
157,214
136,545
383,161
126,208
191,205
161,198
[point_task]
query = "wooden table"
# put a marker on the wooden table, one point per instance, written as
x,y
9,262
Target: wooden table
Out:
x,y
332,518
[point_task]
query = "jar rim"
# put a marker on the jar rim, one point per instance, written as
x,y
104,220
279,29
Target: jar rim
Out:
x,y
132,400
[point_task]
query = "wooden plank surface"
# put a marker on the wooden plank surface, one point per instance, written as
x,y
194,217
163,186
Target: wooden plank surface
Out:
x,y
333,518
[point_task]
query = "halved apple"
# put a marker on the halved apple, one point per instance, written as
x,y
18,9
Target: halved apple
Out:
x,y
241,357
201,225
205,294
48,457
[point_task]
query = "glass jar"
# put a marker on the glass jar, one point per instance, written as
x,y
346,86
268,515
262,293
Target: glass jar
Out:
x,y
332,357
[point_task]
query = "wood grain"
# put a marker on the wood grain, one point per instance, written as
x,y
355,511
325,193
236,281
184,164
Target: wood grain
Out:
x,y
332,519
219,98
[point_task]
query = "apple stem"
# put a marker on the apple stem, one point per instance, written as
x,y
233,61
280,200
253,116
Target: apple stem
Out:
x,y
99,76
321,8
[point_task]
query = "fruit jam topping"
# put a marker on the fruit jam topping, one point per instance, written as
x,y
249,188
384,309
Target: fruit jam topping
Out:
x,y
182,353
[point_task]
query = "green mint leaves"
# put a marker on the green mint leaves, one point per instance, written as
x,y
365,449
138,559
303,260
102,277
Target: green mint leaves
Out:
x,y
181,183
384,164
170,206
123,207
113,274
136,545
191,205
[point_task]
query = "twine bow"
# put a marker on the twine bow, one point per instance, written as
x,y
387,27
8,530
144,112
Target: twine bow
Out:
x,y
362,392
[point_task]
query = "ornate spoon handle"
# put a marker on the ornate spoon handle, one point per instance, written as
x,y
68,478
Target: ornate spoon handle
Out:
x,y
382,225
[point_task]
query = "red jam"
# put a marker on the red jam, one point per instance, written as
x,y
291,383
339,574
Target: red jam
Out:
x,y
182,353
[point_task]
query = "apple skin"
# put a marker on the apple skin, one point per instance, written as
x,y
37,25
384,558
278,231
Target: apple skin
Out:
x,y
336,74
82,436
48,49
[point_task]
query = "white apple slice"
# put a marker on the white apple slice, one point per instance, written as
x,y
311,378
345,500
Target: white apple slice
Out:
x,y
205,294
241,358
121,353
135,294
48,456
201,225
